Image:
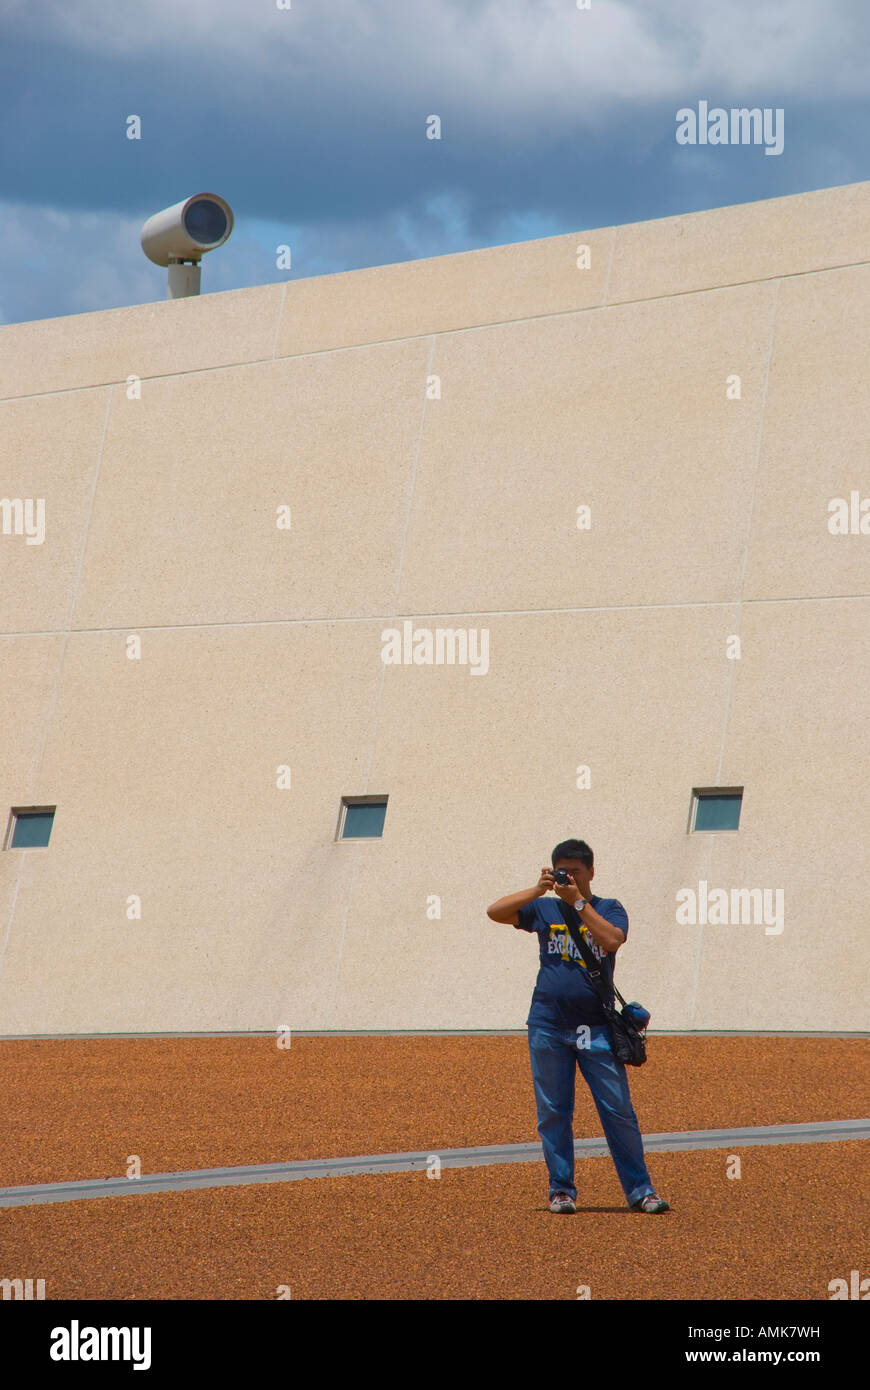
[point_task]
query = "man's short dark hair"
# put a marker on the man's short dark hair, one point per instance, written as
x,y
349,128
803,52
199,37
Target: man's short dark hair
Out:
x,y
573,849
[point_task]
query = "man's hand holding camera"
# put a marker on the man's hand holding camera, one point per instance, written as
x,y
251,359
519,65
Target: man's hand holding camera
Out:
x,y
546,883
575,887
571,888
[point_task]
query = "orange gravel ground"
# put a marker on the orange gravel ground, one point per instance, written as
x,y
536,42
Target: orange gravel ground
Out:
x,y
76,1108
794,1220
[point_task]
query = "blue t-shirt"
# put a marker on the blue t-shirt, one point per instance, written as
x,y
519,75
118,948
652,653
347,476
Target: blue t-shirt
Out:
x,y
564,996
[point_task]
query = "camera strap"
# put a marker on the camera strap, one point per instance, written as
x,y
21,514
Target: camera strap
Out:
x,y
602,980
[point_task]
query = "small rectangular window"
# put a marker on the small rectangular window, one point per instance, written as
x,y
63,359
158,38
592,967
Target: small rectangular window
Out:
x,y
716,808
362,817
30,827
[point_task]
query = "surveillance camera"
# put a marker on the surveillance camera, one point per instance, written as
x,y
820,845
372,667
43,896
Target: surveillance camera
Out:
x,y
180,236
187,230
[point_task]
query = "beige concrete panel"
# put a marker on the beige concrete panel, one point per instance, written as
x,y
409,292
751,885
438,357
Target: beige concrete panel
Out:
x,y
522,280
815,447
145,340
749,241
9,876
50,449
482,776
29,668
799,737
28,673
164,773
623,410
184,522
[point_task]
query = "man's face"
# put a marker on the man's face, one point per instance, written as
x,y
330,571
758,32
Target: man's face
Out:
x,y
577,869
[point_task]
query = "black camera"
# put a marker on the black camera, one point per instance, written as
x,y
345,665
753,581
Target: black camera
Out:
x,y
561,878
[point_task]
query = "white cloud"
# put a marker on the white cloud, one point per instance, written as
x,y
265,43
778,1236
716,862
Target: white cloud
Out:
x,y
500,58
513,80
55,263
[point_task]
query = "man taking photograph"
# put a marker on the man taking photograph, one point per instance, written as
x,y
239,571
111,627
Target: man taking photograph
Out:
x,y
566,1021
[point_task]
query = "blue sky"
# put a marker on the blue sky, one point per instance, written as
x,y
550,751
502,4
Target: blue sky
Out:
x,y
311,122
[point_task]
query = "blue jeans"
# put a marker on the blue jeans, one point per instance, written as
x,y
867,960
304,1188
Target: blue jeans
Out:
x,y
553,1052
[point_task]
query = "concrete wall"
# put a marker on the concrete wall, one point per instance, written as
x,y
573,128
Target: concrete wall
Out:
x,y
261,647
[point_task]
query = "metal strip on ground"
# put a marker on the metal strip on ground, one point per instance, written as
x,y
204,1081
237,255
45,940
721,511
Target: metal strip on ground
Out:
x,y
817,1132
424,1033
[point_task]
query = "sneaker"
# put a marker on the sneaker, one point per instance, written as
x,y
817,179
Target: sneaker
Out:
x,y
562,1201
650,1203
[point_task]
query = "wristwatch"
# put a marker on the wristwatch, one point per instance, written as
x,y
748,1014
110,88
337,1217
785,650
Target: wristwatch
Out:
x,y
580,904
